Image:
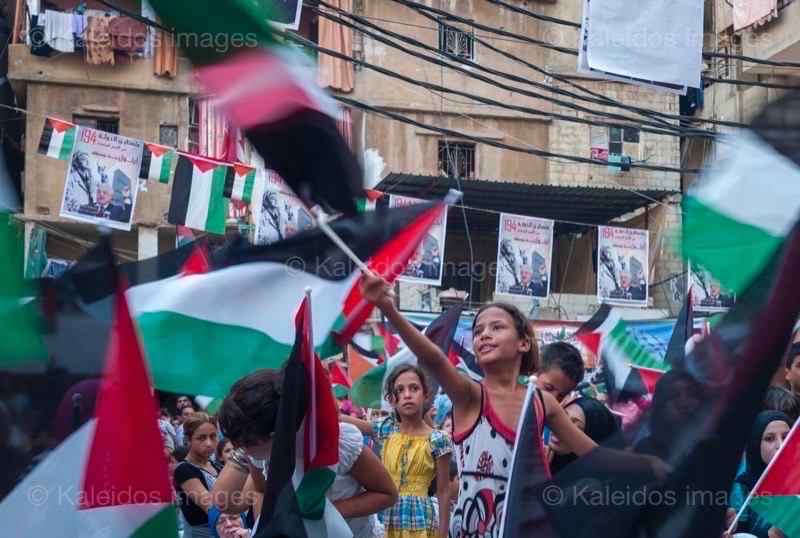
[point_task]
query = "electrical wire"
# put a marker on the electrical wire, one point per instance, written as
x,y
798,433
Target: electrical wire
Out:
x,y
574,52
656,128
539,153
572,24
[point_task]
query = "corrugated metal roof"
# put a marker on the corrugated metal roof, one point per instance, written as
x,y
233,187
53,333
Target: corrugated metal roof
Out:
x,y
590,205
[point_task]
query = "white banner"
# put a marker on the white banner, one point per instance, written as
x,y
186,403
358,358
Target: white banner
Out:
x,y
622,266
524,253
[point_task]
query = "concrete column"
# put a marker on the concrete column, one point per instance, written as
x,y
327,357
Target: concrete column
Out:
x,y
148,242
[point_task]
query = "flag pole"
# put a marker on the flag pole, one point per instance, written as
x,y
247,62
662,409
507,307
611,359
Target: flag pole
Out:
x,y
323,219
763,476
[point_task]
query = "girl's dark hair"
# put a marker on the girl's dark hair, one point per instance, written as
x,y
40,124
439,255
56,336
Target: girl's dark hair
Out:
x,y
388,390
530,359
180,453
220,447
248,413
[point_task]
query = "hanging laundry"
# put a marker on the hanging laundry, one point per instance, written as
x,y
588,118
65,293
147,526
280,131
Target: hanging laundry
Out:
x,y
39,46
127,35
79,23
58,31
98,41
750,14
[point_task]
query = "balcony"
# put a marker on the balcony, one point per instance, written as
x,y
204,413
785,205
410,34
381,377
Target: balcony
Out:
x,y
778,40
70,69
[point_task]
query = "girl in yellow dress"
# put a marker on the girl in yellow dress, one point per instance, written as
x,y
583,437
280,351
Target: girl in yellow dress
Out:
x,y
414,453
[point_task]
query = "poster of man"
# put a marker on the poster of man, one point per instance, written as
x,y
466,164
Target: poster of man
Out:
x,y
425,265
524,252
100,187
622,266
707,292
281,214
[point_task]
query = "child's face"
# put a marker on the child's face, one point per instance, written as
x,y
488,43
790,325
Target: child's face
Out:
x,y
556,382
495,339
793,376
578,418
409,395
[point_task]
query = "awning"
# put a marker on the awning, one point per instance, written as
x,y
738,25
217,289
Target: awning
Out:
x,y
573,208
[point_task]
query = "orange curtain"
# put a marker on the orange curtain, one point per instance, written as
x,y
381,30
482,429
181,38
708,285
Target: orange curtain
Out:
x,y
333,72
165,55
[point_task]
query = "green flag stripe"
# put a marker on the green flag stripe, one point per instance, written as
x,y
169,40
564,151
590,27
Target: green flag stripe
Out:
x,y
311,492
732,251
247,194
184,351
782,511
631,350
66,146
368,389
163,525
166,167
217,203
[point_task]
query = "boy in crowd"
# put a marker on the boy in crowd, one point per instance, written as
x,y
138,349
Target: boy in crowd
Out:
x,y
561,370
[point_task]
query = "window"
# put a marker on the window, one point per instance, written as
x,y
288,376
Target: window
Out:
x,y
193,143
168,135
456,40
623,141
456,159
108,125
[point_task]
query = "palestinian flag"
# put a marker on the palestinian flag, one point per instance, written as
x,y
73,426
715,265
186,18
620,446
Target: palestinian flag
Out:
x,y
109,477
270,92
736,240
239,183
58,138
464,360
524,510
210,405
368,389
391,342
21,343
776,497
197,195
630,370
156,163
369,201
361,360
194,322
305,451
340,380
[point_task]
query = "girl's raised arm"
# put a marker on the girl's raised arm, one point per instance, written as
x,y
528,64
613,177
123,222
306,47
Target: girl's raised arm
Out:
x,y
456,385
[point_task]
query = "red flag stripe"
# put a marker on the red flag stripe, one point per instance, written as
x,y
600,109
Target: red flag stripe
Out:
x,y
389,262
126,459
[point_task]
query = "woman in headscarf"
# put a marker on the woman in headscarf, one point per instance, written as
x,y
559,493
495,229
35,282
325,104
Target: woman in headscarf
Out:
x,y
591,417
770,430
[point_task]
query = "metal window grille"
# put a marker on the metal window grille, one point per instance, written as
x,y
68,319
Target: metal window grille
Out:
x,y
456,159
108,125
455,40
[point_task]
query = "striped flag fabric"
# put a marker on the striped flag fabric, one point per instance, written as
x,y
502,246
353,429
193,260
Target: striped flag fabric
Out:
x,y
109,478
197,198
194,321
776,497
58,138
270,92
305,452
239,182
735,241
529,468
628,367
156,163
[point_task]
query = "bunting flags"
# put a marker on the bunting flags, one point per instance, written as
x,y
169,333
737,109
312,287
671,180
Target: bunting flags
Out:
x,y
239,183
197,195
156,163
58,138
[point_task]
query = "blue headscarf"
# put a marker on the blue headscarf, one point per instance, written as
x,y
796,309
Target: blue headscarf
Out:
x,y
443,407
213,516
